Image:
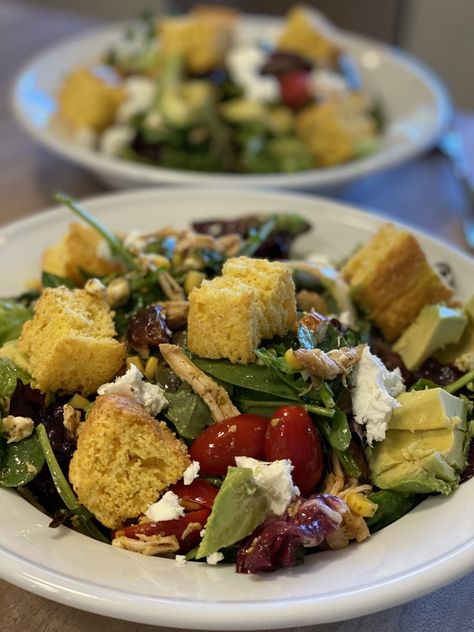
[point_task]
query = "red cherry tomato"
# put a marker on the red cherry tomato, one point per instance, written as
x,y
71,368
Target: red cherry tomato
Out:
x,y
172,527
219,444
295,88
292,435
195,496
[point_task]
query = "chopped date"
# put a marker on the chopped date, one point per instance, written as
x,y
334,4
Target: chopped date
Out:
x,y
148,328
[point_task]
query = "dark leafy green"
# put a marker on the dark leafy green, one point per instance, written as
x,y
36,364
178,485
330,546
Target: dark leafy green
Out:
x,y
187,412
9,374
348,463
257,237
64,490
423,384
21,461
13,315
48,279
392,505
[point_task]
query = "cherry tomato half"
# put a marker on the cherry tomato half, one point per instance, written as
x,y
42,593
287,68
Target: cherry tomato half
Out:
x,y
292,435
172,527
195,496
295,88
219,444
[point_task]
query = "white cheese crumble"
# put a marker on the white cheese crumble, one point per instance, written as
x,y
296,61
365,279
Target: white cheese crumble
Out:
x,y
17,428
139,94
214,558
134,241
150,396
328,85
116,138
274,480
167,508
180,560
191,473
373,393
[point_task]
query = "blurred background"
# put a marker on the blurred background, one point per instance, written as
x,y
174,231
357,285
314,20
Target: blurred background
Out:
x,y
437,31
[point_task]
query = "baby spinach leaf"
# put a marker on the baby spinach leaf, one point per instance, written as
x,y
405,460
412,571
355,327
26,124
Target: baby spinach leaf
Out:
x,y
9,374
13,315
392,505
187,412
21,462
48,279
251,376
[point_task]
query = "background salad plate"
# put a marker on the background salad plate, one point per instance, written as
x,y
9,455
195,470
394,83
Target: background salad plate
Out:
x,y
416,105
429,547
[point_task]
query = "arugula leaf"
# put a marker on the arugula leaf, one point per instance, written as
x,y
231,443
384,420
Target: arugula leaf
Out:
x,y
251,376
115,243
187,412
48,279
12,317
21,461
266,408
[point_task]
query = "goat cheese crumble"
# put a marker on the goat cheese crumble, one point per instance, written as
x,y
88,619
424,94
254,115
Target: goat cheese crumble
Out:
x,y
191,473
373,393
150,396
17,428
274,480
214,558
167,508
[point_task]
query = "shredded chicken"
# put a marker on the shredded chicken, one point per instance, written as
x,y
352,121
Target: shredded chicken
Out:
x,y
306,301
176,313
230,244
163,545
193,240
212,394
335,480
331,364
353,527
171,287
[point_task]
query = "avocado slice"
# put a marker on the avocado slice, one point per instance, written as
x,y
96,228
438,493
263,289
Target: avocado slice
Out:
x,y
435,327
425,446
239,507
461,354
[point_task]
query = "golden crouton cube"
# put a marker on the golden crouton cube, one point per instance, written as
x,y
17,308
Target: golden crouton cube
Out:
x,y
90,98
124,460
223,320
334,129
70,342
274,289
76,253
391,280
302,35
203,38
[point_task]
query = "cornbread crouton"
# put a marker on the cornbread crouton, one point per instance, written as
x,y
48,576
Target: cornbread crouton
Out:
x,y
302,35
90,98
124,460
229,315
334,129
392,280
202,38
78,250
274,289
223,321
70,343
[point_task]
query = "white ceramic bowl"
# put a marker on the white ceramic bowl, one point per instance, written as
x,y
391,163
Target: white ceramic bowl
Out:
x,y
429,547
416,104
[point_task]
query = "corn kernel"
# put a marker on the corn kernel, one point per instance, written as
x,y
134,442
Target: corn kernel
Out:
x,y
79,402
361,505
292,360
193,279
136,360
150,368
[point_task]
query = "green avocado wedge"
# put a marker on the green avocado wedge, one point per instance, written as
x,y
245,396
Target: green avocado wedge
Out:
x,y
426,444
238,509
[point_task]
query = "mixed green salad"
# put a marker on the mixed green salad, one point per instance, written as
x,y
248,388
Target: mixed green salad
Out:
x,y
332,432
185,93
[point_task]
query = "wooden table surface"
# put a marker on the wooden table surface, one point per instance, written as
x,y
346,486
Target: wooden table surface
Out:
x,y
423,192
